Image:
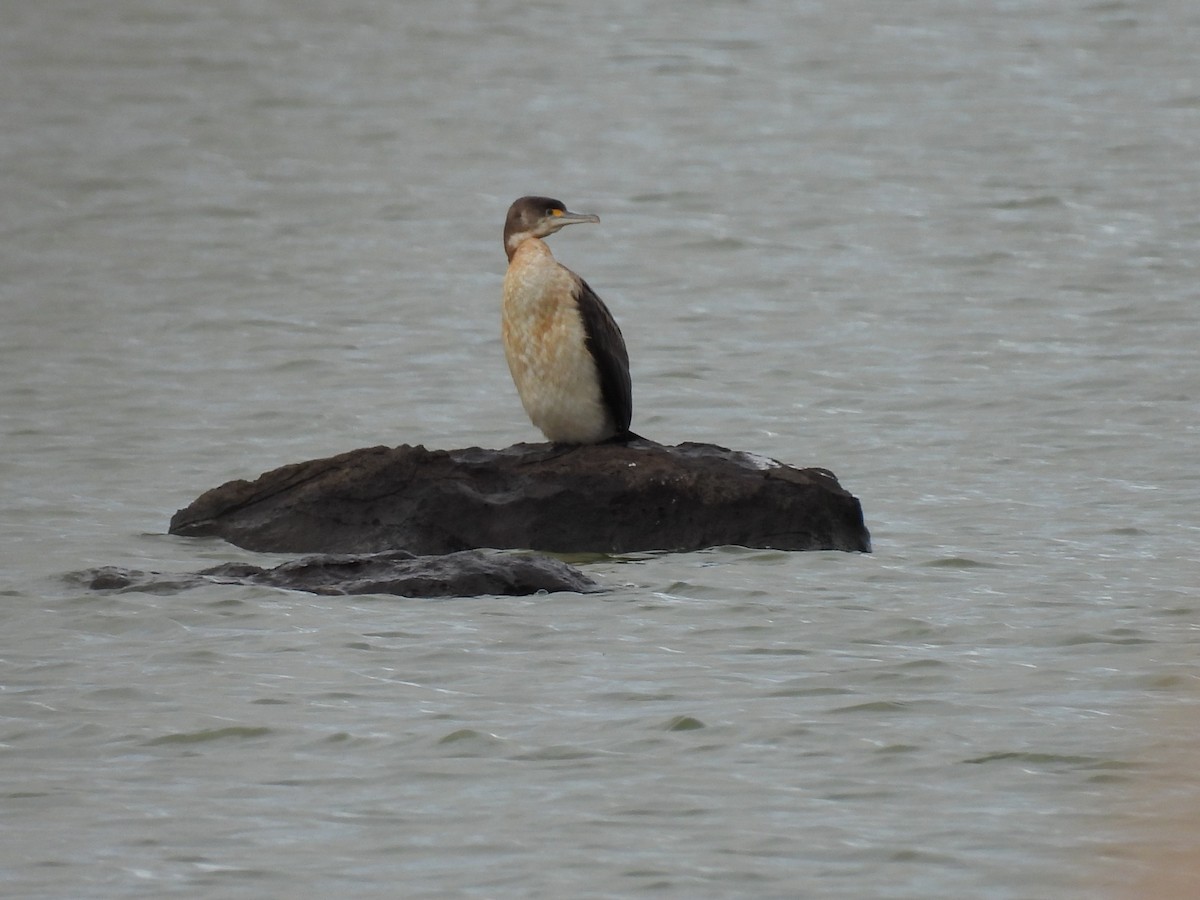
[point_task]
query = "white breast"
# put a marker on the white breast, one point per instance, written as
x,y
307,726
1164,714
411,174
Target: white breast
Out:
x,y
544,341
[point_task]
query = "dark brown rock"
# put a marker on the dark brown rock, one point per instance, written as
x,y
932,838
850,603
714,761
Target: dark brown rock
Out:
x,y
465,574
606,498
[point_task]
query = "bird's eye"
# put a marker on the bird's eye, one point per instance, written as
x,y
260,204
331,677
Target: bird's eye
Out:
x,y
555,211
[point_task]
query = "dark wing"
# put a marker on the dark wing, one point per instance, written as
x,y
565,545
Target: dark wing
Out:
x,y
607,347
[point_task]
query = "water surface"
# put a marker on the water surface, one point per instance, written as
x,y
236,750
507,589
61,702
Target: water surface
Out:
x,y
948,252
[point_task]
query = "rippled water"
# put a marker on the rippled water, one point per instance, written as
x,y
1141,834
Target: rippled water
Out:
x,y
949,252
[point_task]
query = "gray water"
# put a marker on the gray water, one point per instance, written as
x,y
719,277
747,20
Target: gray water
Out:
x,y
948,250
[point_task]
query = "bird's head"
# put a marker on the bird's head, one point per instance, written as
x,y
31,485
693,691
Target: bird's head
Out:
x,y
537,217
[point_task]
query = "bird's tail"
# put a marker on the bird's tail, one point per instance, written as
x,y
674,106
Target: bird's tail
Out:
x,y
626,437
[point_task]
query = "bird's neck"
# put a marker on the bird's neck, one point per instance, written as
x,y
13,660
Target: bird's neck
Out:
x,y
534,283
528,246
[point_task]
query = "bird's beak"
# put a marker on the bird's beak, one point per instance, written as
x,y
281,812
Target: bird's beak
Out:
x,y
573,218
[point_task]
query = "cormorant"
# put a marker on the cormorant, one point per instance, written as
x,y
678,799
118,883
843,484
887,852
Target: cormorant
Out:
x,y
564,349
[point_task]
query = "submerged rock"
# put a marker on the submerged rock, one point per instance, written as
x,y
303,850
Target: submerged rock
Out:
x,y
466,574
605,498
